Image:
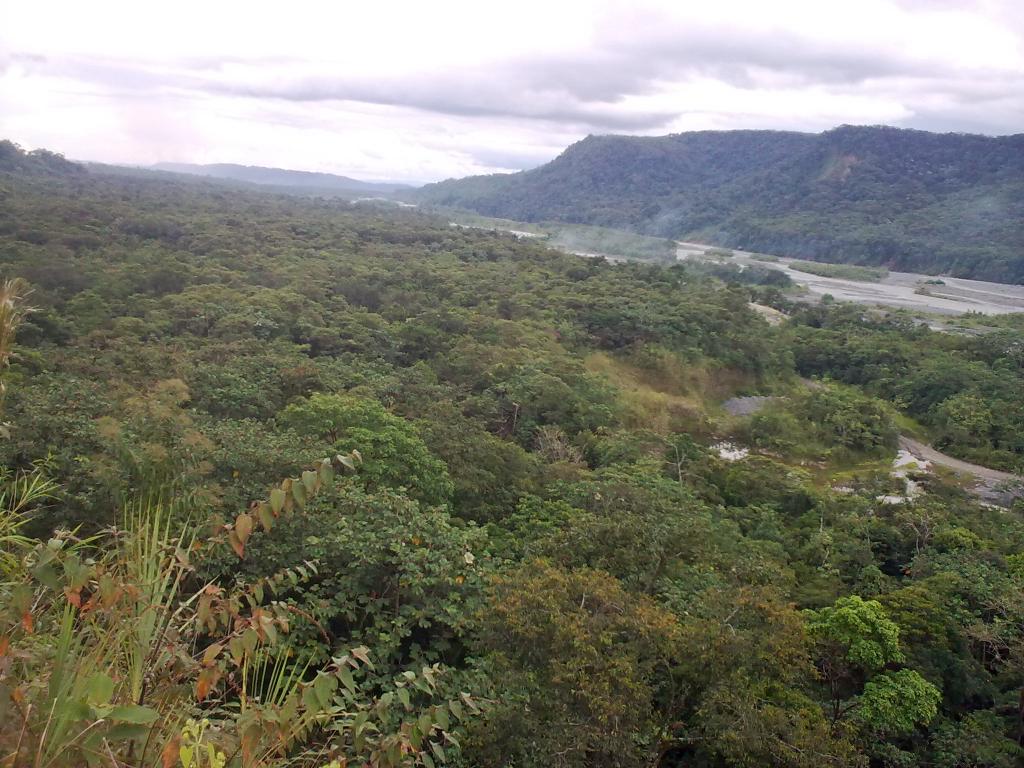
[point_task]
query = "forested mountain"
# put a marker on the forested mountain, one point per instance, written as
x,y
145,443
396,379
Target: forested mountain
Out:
x,y
910,200
289,482
280,177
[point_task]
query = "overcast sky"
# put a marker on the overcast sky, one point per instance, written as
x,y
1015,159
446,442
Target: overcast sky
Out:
x,y
420,91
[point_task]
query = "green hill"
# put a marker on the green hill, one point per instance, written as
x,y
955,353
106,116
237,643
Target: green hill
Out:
x,y
908,200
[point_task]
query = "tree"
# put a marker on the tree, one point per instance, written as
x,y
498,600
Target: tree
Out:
x,y
578,661
393,452
856,640
894,703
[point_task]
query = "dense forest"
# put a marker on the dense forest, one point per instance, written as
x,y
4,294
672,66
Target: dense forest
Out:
x,y
910,200
297,482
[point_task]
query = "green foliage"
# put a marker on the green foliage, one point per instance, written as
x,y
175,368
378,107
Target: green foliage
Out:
x,y
573,647
964,388
856,632
394,453
979,739
897,702
825,420
840,271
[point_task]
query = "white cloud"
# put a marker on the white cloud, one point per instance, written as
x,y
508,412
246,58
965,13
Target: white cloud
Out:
x,y
420,91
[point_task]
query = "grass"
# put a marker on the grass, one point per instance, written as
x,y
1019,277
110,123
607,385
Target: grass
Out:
x,y
653,401
841,271
666,394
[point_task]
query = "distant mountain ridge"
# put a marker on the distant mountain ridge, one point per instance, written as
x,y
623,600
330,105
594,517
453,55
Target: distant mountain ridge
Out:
x,y
907,199
281,177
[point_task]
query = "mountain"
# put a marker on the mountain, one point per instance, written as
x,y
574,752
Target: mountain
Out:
x,y
38,162
906,199
280,177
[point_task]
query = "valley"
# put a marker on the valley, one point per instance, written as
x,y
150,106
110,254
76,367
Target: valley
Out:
x,y
471,486
551,385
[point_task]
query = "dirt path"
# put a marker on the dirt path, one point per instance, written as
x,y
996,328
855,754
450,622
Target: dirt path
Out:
x,y
923,451
993,485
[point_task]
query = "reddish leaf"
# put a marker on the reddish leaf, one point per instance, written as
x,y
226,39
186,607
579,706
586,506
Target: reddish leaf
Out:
x,y
170,754
207,679
74,596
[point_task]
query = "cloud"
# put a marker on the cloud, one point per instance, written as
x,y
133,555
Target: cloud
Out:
x,y
457,87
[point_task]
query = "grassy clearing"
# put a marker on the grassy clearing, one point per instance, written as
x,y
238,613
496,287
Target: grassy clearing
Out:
x,y
671,396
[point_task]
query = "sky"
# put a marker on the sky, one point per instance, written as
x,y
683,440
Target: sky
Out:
x,y
420,91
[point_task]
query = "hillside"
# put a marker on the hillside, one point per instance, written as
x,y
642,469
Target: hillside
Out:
x,y
281,177
909,200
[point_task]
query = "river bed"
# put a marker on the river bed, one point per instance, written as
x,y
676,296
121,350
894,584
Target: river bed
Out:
x,y
955,296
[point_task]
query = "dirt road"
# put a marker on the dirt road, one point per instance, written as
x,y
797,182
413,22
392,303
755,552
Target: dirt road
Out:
x,y
993,485
923,451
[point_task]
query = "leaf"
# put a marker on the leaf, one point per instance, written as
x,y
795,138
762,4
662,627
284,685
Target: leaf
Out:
x,y
243,526
76,710
236,543
211,653
456,709
438,752
277,501
134,714
309,481
237,649
299,494
426,724
99,689
169,755
326,472
266,516
362,653
310,701
268,628
403,696
345,675
46,576
324,686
